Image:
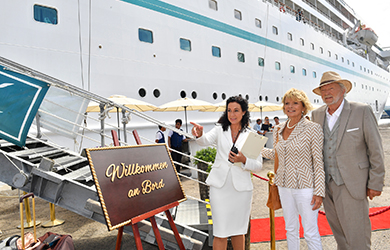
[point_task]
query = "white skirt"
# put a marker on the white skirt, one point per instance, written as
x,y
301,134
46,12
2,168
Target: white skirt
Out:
x,y
230,209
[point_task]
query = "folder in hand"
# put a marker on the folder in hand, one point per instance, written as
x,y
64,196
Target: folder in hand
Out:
x,y
253,145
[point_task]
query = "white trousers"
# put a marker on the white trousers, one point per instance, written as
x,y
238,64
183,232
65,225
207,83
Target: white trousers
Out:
x,y
296,202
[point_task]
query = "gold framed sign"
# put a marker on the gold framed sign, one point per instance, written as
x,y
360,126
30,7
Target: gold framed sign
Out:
x,y
133,180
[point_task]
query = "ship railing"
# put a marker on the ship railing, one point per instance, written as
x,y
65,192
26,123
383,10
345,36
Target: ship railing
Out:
x,y
82,135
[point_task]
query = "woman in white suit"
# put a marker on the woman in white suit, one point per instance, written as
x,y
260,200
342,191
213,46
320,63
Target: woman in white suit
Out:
x,y
230,179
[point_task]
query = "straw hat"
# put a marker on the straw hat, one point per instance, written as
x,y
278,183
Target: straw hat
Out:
x,y
332,77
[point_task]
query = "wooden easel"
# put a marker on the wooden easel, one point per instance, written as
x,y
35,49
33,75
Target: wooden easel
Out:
x,y
150,215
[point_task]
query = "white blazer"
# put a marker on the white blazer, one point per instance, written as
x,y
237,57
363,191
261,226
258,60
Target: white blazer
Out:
x,y
221,167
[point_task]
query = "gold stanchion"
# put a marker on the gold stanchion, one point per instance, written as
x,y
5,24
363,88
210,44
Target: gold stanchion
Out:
x,y
29,223
53,221
271,176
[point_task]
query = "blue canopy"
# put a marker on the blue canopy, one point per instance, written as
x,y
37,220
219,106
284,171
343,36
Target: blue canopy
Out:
x,y
20,98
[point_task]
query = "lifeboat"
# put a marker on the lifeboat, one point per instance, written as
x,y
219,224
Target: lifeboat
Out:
x,y
366,36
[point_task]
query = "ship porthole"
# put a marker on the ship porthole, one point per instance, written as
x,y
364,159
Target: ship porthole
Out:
x,y
183,94
142,92
260,98
223,96
215,96
194,94
156,93
266,98
247,97
277,98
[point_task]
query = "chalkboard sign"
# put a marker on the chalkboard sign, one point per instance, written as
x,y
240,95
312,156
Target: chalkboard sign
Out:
x,y
133,180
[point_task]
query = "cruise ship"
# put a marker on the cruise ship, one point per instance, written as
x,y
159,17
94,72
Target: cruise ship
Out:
x,y
158,51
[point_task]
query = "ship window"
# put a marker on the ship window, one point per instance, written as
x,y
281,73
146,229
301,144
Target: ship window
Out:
x,y
213,4
45,14
277,65
183,94
336,56
314,74
223,96
215,96
312,46
258,23
302,42
142,92
247,97
329,53
260,98
347,61
275,30
321,50
353,64
289,36
185,44
194,94
241,57
237,14
362,86
364,69
145,35
216,51
292,69
266,98
156,93
342,59
277,98
261,62
354,84
304,72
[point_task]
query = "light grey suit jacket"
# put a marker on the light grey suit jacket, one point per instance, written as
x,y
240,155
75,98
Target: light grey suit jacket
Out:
x,y
223,141
359,152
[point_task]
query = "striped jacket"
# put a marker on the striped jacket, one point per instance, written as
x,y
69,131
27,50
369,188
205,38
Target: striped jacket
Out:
x,y
300,157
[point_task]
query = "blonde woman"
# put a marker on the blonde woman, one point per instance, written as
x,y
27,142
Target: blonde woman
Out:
x,y
300,177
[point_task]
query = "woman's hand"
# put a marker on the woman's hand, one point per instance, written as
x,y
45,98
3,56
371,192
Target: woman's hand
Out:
x,y
239,157
316,201
196,130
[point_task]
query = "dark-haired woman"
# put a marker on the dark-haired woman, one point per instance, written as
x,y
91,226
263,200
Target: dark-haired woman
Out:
x,y
230,180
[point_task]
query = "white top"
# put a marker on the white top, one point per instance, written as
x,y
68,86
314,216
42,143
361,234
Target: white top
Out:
x,y
332,118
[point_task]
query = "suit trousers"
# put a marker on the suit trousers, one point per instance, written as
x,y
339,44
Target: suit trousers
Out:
x,y
347,217
296,202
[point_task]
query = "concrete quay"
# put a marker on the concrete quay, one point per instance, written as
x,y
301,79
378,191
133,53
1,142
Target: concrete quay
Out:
x,y
88,234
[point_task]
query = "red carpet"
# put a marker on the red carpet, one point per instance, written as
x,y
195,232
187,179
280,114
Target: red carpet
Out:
x,y
260,231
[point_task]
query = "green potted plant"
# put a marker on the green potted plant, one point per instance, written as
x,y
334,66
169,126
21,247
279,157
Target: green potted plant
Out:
x,y
207,155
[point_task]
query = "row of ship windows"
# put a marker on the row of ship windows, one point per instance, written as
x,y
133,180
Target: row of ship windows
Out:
x,y
145,35
156,93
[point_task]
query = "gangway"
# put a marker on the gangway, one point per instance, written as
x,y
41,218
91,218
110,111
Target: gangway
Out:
x,y
63,178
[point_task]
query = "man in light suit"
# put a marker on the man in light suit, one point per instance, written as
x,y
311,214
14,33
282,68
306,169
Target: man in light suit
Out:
x,y
353,162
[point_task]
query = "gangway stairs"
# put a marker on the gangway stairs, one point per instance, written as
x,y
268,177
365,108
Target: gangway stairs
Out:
x,y
63,178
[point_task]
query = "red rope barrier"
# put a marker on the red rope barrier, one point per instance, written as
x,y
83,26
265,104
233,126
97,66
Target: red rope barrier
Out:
x,y
262,178
371,214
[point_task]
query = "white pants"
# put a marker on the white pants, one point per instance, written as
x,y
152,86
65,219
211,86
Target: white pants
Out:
x,y
296,202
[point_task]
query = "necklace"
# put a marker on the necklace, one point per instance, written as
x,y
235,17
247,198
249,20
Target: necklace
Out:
x,y
288,125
